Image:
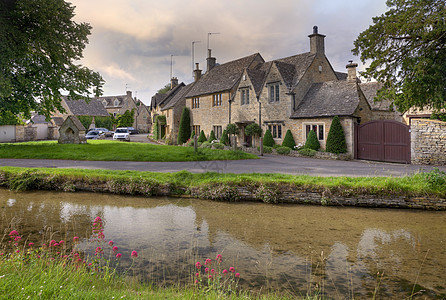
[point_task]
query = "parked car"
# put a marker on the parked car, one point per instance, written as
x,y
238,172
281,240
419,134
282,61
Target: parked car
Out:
x,y
122,133
105,131
93,135
133,130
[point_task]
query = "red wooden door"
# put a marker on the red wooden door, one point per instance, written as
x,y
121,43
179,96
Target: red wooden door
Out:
x,y
384,140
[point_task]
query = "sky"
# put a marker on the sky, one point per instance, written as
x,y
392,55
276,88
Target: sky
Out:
x,y
132,41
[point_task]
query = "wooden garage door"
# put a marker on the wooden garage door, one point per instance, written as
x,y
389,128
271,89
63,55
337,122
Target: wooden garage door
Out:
x,y
384,141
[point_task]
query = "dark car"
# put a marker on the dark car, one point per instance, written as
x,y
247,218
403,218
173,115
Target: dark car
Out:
x,y
133,130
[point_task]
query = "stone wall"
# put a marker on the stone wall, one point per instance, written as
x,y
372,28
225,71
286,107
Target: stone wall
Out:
x,y
428,142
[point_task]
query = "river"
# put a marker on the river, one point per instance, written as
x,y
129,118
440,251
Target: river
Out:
x,y
300,249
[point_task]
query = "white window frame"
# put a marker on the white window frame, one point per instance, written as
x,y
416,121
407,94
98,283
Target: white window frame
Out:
x,y
274,129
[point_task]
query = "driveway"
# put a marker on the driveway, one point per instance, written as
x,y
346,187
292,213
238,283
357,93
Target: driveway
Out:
x,y
265,164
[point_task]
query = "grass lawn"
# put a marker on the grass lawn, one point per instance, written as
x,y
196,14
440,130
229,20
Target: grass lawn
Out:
x,y
115,151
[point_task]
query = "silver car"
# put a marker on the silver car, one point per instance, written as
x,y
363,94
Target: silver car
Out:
x,y
122,133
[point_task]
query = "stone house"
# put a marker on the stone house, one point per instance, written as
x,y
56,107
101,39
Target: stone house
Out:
x,y
120,104
81,108
171,105
72,131
299,93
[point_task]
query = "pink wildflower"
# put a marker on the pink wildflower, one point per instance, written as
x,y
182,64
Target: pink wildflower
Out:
x,y
118,255
56,244
212,271
115,249
208,261
18,251
219,258
61,242
110,243
232,269
237,274
17,238
225,271
76,239
31,244
206,270
197,274
196,281
13,233
198,265
52,242
134,254
210,276
98,219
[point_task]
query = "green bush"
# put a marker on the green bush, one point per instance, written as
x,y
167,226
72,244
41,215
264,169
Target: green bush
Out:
x,y
184,129
253,129
288,141
266,149
192,135
202,138
336,138
283,150
312,141
276,146
218,146
206,144
224,138
268,139
212,136
232,129
307,152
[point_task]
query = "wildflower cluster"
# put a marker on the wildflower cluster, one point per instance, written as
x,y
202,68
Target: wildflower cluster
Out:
x,y
268,194
211,276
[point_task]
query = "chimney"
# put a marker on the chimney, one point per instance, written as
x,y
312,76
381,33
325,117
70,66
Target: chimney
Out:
x,y
317,42
211,61
129,94
197,73
351,70
173,82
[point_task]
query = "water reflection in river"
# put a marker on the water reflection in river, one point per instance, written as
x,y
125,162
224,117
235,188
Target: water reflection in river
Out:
x,y
342,250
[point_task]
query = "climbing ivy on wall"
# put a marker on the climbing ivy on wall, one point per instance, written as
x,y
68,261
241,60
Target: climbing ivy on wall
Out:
x,y
158,121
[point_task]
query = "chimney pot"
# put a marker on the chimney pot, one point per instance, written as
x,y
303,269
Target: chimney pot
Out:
x,y
197,72
351,71
211,61
317,45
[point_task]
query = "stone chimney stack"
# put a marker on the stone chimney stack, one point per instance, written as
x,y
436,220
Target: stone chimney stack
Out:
x,y
351,70
211,61
129,94
197,72
173,82
317,45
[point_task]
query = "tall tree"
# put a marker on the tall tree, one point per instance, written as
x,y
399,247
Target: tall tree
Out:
x,y
39,45
406,46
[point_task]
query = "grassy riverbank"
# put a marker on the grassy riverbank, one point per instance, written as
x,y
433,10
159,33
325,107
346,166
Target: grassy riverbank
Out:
x,y
202,185
115,151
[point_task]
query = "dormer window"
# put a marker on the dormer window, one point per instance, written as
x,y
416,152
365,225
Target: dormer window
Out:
x,y
116,102
104,102
273,92
244,96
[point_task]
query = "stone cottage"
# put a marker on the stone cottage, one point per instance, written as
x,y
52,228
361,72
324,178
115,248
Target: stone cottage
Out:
x,y
72,131
120,104
299,93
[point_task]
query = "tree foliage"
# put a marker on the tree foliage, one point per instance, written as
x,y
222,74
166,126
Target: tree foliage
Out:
x,y
232,129
165,89
224,139
158,121
312,142
8,118
288,141
202,137
126,119
39,43
406,46
184,129
336,138
268,139
253,129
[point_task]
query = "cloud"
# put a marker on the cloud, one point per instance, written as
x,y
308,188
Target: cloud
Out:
x,y
132,40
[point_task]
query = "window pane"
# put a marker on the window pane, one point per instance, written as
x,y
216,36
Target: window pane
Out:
x,y
277,92
270,129
321,132
243,97
247,96
279,131
314,128
307,130
271,93
274,131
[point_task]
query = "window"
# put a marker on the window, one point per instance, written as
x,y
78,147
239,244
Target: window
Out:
x,y
244,95
116,102
217,131
216,100
276,130
196,129
273,93
104,102
195,102
317,128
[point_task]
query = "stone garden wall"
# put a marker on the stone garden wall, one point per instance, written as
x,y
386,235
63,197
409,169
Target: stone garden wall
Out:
x,y
428,142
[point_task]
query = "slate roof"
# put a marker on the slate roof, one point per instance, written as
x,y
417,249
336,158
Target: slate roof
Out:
x,y
82,108
111,100
257,77
76,122
58,121
370,89
39,119
293,68
222,77
328,99
157,99
341,75
181,94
